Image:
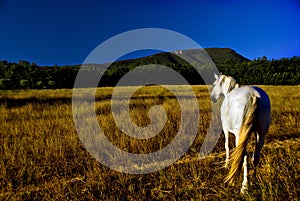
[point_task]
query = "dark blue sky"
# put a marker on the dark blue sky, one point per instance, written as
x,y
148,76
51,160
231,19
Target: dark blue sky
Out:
x,y
62,32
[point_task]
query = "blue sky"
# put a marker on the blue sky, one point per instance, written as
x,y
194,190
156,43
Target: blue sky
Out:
x,y
63,32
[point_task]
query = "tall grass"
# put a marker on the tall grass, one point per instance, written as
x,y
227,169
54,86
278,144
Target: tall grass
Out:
x,y
42,157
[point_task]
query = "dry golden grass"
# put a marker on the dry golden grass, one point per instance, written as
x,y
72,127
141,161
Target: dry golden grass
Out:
x,y
42,158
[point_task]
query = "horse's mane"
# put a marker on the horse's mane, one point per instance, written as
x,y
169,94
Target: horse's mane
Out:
x,y
229,82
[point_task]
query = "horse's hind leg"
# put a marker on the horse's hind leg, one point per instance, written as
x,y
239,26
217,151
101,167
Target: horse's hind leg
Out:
x,y
260,138
226,133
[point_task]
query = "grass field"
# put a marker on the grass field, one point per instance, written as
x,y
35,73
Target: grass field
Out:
x,y
42,157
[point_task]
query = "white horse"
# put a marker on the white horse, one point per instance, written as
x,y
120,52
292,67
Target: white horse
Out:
x,y
244,110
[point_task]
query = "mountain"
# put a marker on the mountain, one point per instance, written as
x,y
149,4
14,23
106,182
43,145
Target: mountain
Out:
x,y
182,61
221,55
218,55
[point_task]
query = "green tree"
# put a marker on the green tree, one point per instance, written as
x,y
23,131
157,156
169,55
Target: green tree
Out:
x,y
24,83
40,84
4,83
51,83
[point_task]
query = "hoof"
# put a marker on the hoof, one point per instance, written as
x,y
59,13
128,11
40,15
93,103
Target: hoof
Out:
x,y
226,165
244,189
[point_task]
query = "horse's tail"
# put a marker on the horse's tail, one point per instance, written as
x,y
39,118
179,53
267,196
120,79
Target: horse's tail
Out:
x,y
245,132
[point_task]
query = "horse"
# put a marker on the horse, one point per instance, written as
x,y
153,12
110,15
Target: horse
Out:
x,y
244,110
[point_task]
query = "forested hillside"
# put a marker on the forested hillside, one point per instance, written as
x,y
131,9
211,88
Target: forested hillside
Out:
x,y
25,75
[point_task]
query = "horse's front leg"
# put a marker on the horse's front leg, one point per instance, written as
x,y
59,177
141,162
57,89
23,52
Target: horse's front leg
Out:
x,y
245,178
226,133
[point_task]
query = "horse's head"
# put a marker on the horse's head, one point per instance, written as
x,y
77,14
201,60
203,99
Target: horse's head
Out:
x,y
222,85
217,88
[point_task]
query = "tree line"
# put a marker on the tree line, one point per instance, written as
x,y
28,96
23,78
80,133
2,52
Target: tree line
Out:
x,y
26,75
285,71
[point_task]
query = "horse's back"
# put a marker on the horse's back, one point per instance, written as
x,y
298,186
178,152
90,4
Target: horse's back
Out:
x,y
232,108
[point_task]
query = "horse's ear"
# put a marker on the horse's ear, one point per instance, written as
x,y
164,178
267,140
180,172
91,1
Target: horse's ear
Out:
x,y
216,76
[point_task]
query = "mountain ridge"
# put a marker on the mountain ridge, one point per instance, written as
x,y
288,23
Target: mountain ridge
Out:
x,y
219,56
